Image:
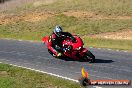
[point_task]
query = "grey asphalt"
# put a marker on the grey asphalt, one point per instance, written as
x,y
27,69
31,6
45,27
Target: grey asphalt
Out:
x,y
110,64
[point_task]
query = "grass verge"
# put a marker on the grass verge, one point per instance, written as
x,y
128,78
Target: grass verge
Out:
x,y
27,30
15,77
109,7
108,43
36,30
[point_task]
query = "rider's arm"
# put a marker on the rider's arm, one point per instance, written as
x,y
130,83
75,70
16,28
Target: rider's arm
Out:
x,y
67,34
54,42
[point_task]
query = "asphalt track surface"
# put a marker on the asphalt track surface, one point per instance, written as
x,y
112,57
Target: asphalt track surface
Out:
x,y
110,64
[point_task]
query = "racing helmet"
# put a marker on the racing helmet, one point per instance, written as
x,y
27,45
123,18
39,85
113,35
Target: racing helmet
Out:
x,y
58,30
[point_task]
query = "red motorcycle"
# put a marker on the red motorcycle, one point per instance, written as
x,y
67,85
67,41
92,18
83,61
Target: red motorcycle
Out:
x,y
74,50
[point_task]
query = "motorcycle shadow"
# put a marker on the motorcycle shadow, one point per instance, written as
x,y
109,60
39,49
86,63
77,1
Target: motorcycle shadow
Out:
x,y
96,60
71,59
67,59
103,61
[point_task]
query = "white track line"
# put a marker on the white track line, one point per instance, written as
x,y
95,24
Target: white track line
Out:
x,y
49,74
96,87
44,72
109,49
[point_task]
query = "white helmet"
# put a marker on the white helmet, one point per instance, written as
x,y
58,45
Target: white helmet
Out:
x,y
58,30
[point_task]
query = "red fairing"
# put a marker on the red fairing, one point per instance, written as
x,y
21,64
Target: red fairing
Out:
x,y
45,39
75,50
75,45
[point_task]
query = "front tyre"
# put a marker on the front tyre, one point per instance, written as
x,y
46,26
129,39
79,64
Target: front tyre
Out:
x,y
89,57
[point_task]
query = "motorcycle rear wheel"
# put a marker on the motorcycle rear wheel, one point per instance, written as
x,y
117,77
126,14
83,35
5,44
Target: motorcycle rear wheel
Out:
x,y
89,57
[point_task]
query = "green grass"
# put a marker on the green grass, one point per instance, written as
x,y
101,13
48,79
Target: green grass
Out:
x,y
108,43
105,7
36,30
83,27
71,24
14,77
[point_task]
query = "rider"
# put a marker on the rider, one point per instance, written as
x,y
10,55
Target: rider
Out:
x,y
57,37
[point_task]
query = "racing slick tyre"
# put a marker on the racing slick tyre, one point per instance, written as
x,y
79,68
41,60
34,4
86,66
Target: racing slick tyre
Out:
x,y
89,57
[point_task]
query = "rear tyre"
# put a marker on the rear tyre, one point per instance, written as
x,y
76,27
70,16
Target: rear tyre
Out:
x,y
89,57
